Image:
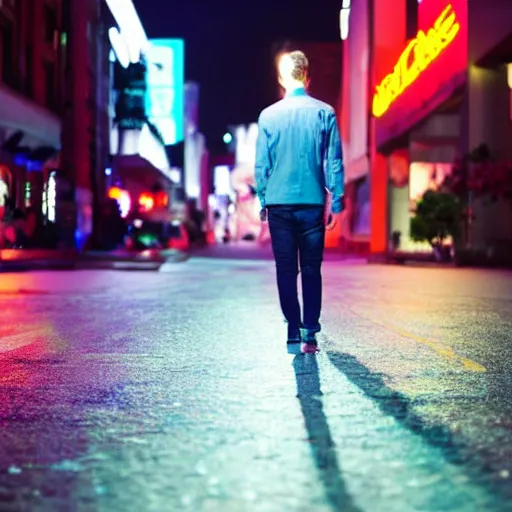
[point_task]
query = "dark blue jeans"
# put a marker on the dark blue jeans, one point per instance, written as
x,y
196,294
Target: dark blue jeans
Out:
x,y
298,236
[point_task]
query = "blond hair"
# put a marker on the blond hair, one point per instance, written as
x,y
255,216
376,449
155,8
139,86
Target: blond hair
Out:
x,y
299,69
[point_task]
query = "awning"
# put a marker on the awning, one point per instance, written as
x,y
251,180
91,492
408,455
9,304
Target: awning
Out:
x,y
40,127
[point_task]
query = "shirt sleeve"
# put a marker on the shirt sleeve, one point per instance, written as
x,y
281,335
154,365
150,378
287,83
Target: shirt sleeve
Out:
x,y
334,160
263,163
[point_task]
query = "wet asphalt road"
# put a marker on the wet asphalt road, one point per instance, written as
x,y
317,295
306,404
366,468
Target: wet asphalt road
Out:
x,y
170,391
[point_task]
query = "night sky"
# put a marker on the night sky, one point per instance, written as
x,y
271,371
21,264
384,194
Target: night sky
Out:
x,y
228,46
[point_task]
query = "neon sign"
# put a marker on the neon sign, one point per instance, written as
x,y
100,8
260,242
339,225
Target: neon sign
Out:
x,y
418,55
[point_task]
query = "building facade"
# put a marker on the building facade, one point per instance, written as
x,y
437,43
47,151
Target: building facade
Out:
x,y
53,116
85,131
31,92
423,86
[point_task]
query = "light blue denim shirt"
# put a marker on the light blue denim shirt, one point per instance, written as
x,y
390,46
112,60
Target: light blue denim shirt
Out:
x,y
298,152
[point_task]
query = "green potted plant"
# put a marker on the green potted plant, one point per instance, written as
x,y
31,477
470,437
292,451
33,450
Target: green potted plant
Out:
x,y
436,218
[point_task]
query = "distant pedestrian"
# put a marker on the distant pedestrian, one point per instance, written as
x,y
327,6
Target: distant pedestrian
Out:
x,y
298,165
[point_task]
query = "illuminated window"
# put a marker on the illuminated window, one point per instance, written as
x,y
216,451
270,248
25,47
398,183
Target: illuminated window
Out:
x,y
49,198
4,192
28,189
245,139
425,176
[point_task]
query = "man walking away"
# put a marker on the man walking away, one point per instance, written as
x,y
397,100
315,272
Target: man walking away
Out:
x,y
298,161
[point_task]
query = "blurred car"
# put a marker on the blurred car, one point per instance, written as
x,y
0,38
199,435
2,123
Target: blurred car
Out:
x,y
144,234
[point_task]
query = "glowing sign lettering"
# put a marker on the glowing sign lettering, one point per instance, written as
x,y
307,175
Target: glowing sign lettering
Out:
x,y
418,55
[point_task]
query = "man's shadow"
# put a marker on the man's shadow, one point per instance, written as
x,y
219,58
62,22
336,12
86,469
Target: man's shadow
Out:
x,y
319,435
454,448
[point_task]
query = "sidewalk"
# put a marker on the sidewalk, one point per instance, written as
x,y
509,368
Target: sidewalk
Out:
x,y
18,260
254,251
15,260
463,259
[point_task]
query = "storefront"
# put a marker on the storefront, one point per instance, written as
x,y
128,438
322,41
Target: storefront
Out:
x,y
29,142
439,80
418,103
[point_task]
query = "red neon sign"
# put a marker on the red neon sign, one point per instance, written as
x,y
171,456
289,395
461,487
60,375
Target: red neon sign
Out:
x,y
418,55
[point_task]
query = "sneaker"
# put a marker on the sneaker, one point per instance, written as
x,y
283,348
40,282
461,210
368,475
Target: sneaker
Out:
x,y
310,343
294,335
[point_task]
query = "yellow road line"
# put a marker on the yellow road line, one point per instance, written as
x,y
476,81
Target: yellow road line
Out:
x,y
438,347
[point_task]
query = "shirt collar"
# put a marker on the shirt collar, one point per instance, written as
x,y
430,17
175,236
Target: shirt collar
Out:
x,y
300,91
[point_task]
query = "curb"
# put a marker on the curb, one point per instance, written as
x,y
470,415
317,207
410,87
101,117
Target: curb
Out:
x,y
413,263
100,261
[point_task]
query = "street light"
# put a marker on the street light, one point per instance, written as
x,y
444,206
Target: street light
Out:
x,y
344,19
130,28
228,138
119,46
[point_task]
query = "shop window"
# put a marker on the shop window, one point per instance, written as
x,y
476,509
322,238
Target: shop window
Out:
x,y
49,197
423,177
361,213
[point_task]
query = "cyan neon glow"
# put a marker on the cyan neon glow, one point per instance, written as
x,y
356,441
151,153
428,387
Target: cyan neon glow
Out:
x,y
166,81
